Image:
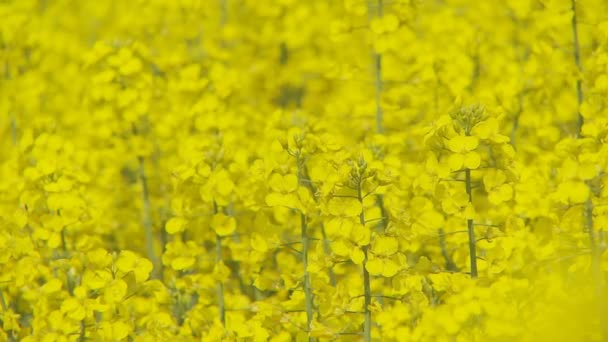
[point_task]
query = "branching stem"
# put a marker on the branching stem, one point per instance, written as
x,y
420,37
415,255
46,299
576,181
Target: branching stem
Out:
x,y
579,66
367,325
147,219
471,228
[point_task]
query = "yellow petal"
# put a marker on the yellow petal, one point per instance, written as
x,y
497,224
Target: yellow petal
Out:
x,y
181,263
361,235
175,225
356,255
276,182
460,143
389,268
274,199
374,266
258,243
51,286
339,228
472,160
578,192
223,225
344,206
291,183
455,161
385,245
341,247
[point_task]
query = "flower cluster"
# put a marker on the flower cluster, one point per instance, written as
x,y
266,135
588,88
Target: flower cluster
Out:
x,y
281,170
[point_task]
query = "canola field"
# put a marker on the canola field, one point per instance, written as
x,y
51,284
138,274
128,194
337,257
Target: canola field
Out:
x,y
303,170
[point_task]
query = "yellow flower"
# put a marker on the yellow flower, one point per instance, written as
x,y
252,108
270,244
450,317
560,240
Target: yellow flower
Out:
x,y
464,154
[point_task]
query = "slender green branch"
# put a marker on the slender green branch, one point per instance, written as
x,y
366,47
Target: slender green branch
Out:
x,y
471,228
520,109
367,325
327,250
449,263
579,66
83,332
13,130
596,268
11,336
307,285
223,12
147,219
378,80
3,301
383,214
589,225
220,285
305,179
379,87
305,247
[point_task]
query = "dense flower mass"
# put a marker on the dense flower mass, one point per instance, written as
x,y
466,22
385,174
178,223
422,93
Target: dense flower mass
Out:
x,y
315,170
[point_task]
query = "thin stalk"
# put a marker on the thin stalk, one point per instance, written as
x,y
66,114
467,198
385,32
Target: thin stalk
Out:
x,y
595,252
471,229
147,219
223,12
595,260
220,285
379,84
305,246
379,87
383,214
7,76
327,250
83,332
3,301
520,99
579,66
596,269
367,325
305,179
449,263
307,285
516,119
13,130
11,336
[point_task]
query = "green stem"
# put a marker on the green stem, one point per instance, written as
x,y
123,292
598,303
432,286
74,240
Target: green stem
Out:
x,y
11,336
471,228
595,261
223,12
383,214
579,66
13,130
327,250
305,246
596,268
379,84
3,301
516,119
367,325
83,332
449,263
307,285
305,179
521,58
220,285
147,220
